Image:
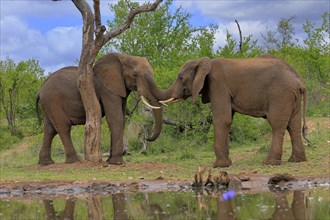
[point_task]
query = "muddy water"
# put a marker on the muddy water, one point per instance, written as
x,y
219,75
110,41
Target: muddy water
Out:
x,y
187,203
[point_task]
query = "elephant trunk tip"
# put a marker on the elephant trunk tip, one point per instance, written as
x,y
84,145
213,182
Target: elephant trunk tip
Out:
x,y
153,137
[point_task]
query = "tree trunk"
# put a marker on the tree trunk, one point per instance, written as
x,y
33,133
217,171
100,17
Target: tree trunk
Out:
x,y
93,117
90,48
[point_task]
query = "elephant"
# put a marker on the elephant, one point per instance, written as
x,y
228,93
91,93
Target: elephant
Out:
x,y
263,86
115,76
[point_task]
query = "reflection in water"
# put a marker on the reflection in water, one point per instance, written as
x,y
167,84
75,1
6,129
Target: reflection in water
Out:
x,y
283,209
311,204
119,206
94,207
51,214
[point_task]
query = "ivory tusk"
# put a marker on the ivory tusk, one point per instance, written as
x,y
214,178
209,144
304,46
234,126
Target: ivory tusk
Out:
x,y
177,100
167,101
163,103
147,104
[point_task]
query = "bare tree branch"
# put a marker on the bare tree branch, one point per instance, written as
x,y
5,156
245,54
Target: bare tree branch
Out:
x,y
97,13
129,4
88,31
240,37
99,28
135,11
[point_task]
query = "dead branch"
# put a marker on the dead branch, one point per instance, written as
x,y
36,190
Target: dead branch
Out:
x,y
135,11
240,37
97,13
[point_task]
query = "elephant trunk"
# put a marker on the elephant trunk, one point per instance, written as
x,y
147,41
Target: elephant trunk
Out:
x,y
159,94
145,91
158,114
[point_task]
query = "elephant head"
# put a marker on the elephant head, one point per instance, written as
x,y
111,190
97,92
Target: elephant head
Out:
x,y
120,74
190,82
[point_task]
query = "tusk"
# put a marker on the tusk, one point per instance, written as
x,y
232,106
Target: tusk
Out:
x,y
147,104
163,103
177,100
167,101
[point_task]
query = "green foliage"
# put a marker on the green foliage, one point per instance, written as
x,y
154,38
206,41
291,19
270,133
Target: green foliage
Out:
x,y
164,37
318,50
19,84
281,38
248,129
6,139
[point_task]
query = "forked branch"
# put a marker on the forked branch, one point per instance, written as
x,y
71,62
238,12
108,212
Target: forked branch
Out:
x,y
135,11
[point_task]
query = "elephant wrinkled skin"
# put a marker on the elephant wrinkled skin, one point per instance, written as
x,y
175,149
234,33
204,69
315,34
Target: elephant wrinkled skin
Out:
x,y
264,86
115,76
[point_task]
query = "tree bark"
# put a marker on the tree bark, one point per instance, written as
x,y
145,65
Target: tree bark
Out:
x,y
90,48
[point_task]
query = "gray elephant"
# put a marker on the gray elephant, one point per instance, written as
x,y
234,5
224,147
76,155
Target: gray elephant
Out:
x,y
264,87
115,76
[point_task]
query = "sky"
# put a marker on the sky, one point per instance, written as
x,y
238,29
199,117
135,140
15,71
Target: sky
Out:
x,y
51,31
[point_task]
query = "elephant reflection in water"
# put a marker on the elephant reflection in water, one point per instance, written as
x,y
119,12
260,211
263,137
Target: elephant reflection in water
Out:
x,y
94,206
297,211
283,210
51,214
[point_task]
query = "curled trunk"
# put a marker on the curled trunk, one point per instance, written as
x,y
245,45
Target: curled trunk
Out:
x,y
158,114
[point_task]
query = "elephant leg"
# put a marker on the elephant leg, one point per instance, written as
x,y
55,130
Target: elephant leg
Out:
x,y
278,120
45,151
64,130
294,129
222,120
114,111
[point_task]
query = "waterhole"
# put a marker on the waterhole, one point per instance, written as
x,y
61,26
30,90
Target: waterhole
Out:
x,y
187,203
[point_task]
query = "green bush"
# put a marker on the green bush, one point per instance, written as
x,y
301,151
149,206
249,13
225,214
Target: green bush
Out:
x,y
6,139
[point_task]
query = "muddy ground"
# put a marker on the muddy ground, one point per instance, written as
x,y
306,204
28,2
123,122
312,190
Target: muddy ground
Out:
x,y
247,182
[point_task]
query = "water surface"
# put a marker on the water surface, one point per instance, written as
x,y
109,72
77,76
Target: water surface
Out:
x,y
312,203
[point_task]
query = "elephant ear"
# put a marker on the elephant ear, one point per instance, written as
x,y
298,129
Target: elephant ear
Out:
x,y
109,71
203,68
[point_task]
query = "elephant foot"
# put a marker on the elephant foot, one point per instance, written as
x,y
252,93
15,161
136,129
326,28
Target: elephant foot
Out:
x,y
222,163
45,161
116,160
72,159
297,159
272,161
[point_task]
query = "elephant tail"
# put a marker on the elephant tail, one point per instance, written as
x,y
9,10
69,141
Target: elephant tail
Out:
x,y
304,128
37,108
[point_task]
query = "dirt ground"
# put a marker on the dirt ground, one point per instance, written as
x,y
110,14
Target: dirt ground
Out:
x,y
247,182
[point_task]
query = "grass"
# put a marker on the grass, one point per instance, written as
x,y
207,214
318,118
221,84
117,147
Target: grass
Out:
x,y
19,163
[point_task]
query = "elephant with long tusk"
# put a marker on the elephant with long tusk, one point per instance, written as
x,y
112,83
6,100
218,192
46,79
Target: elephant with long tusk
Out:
x,y
148,104
264,87
115,76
